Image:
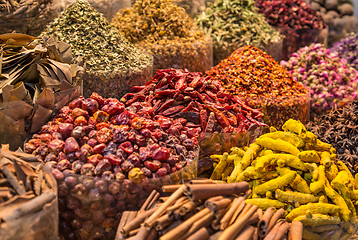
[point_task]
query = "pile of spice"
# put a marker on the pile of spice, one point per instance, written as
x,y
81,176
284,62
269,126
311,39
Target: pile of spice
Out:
x,y
297,20
201,209
113,64
253,75
168,33
233,24
200,100
28,197
294,170
339,127
36,81
338,15
103,157
347,48
331,80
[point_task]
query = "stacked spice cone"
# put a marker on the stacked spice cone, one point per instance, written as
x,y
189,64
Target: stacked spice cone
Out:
x,y
205,209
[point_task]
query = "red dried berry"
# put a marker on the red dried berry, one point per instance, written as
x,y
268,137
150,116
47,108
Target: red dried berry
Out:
x,y
94,159
63,165
78,132
101,116
79,112
77,103
112,106
113,159
161,154
46,137
127,147
90,105
65,129
56,145
71,145
98,149
104,135
161,172
98,98
80,121
101,125
153,165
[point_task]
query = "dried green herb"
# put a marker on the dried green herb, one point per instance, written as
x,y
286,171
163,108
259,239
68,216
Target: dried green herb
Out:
x,y
236,23
167,32
92,37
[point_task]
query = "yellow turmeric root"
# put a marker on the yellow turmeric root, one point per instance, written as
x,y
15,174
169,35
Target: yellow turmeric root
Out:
x,y
322,208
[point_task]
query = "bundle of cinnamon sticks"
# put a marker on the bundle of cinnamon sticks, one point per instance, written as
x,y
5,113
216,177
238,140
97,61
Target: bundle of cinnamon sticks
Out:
x,y
200,210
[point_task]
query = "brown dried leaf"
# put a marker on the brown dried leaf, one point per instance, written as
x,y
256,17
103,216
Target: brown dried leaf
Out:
x,y
38,183
19,38
20,174
40,117
62,70
19,91
17,109
47,99
6,92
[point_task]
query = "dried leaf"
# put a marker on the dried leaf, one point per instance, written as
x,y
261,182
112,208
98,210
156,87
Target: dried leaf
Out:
x,y
20,174
18,37
46,99
17,109
40,117
20,91
6,92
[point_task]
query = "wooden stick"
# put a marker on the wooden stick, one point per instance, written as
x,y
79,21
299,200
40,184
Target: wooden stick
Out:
x,y
276,216
246,234
231,232
177,194
185,226
296,230
264,222
147,201
136,222
20,189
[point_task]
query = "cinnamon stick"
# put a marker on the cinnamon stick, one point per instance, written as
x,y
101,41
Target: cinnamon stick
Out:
x,y
136,222
296,230
264,222
246,234
162,222
180,202
147,201
31,206
187,207
212,199
275,217
133,232
216,235
20,189
205,191
142,233
217,205
201,181
216,223
254,219
278,231
185,226
177,194
121,224
282,231
241,209
231,232
201,234
224,222
152,235
197,225
131,216
163,199
171,188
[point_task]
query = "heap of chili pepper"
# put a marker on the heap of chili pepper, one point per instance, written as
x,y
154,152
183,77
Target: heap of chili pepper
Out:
x,y
201,100
255,76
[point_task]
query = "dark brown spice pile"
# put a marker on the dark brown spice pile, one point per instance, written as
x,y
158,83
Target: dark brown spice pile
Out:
x,y
339,127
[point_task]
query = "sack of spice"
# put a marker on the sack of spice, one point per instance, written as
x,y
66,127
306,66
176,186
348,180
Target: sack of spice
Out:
x,y
339,127
233,24
36,81
28,16
113,65
28,197
258,79
168,33
332,82
297,20
347,48
294,170
108,158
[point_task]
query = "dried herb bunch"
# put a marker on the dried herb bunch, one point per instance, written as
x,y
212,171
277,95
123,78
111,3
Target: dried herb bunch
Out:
x,y
233,24
92,37
256,77
27,16
35,82
167,32
339,127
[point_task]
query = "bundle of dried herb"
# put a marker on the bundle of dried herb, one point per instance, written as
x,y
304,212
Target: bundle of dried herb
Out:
x,y
168,33
256,77
113,64
36,81
339,127
28,197
27,16
233,24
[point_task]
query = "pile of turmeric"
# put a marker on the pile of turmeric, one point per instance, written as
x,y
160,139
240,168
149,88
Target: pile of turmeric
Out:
x,y
294,170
